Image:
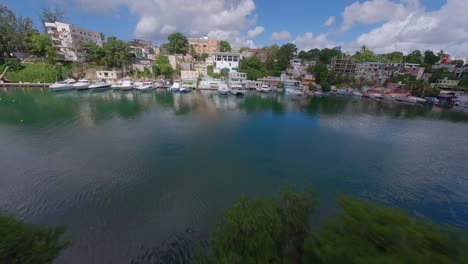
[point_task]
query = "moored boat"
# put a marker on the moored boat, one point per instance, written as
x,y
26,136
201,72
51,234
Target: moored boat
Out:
x,y
82,84
99,85
237,89
265,88
175,87
117,85
63,85
185,90
144,86
223,89
127,85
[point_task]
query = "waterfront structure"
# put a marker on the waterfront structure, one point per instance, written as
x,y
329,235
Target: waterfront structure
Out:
x,y
205,45
308,79
416,71
67,40
344,65
226,61
261,54
109,75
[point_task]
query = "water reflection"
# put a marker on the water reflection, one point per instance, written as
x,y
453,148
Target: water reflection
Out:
x,y
39,107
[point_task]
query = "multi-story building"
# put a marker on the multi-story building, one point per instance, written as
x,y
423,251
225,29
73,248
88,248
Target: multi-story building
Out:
x,y
141,52
205,45
109,75
447,66
226,60
261,54
308,79
344,65
67,40
446,83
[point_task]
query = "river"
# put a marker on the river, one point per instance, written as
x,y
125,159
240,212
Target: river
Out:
x,y
142,178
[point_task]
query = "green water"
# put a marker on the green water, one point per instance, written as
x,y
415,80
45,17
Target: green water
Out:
x,y
143,177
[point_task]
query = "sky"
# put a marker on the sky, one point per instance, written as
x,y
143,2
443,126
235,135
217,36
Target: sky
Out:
x,y
381,25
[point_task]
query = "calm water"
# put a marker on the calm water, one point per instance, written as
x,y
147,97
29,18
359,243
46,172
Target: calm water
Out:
x,y
142,177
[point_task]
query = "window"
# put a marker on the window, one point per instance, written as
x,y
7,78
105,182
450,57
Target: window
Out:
x,y
100,73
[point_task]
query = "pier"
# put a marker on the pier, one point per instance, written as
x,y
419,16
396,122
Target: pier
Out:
x,y
24,85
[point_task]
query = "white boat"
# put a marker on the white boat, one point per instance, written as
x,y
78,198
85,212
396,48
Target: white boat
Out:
x,y
144,86
117,85
63,85
359,94
127,85
82,84
185,90
99,85
223,89
264,89
377,96
293,91
411,99
175,87
237,89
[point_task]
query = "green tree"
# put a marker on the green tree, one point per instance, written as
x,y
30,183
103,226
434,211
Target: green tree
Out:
x,y
178,43
430,57
285,54
272,64
29,244
325,56
369,233
41,46
332,78
243,49
393,57
225,46
15,32
303,55
463,82
458,63
312,87
321,73
364,55
116,53
314,54
162,66
253,67
96,52
51,15
414,57
441,74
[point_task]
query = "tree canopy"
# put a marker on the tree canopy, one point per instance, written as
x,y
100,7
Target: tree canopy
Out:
x,y
29,244
51,15
114,53
177,43
15,32
225,46
253,67
162,66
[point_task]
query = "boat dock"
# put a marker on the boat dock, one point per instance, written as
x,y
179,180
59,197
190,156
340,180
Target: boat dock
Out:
x,y
24,85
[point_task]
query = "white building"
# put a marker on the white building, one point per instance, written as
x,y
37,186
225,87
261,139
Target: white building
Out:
x,y
109,75
226,60
67,40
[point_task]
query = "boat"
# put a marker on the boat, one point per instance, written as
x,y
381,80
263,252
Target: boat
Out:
x,y
237,90
185,90
344,92
175,87
144,86
411,99
377,96
63,85
127,85
223,89
292,87
264,89
82,84
292,91
117,85
100,85
358,94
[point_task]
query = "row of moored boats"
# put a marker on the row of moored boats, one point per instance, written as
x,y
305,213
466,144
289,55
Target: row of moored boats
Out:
x,y
125,85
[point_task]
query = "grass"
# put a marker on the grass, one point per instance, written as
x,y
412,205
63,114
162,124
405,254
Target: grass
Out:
x,y
39,72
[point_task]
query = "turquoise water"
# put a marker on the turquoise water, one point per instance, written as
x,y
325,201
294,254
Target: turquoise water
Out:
x,y
142,177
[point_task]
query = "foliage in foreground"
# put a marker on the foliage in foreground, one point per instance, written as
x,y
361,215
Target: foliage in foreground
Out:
x,y
278,231
29,244
39,72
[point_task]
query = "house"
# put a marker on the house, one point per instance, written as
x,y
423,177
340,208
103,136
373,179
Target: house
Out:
x,y
270,80
344,65
447,66
295,67
416,71
226,61
109,75
396,86
261,54
205,45
308,79
140,52
446,83
67,40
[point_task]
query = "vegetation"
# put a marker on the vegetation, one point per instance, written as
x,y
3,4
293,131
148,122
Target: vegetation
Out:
x,y
29,244
51,15
15,32
41,46
162,66
225,46
178,43
253,67
266,230
39,72
113,54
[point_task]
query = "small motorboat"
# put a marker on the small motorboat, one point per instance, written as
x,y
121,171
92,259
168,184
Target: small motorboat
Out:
x,y
223,89
63,85
127,85
175,87
185,90
144,86
117,85
82,84
358,94
237,90
100,85
265,88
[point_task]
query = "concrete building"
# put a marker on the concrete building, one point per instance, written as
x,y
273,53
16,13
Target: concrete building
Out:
x,y
448,67
446,83
417,72
109,75
189,75
295,67
343,66
141,52
205,45
226,61
308,79
261,54
67,40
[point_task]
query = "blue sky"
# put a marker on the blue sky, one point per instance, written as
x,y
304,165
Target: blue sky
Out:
x,y
373,23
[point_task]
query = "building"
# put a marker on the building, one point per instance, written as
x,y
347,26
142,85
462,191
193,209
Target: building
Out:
x,y
446,83
140,43
447,66
226,61
141,52
205,45
261,54
109,75
343,66
417,72
396,86
270,80
189,75
67,40
295,67
308,79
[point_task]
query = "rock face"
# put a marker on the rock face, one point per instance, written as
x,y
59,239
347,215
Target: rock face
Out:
x,y
84,71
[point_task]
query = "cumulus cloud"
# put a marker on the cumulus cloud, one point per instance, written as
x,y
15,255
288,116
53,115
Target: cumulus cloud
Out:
x,y
443,29
308,41
330,21
283,35
158,18
253,33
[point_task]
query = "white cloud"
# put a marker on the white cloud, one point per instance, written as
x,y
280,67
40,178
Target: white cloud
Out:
x,y
253,33
330,21
407,26
283,35
158,18
308,41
